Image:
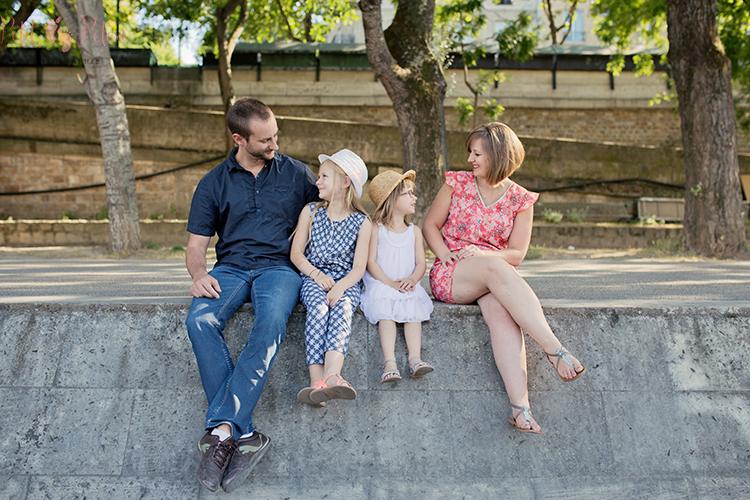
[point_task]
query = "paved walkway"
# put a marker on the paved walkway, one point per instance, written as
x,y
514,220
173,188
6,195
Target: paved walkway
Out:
x,y
571,282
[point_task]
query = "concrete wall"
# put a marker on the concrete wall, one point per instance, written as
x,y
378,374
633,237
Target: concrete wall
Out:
x,y
105,401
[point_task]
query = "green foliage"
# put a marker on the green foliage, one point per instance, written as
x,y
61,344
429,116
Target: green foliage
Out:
x,y
155,216
177,248
578,214
52,33
627,24
492,110
173,210
465,110
151,245
279,20
551,216
103,213
518,40
458,24
66,215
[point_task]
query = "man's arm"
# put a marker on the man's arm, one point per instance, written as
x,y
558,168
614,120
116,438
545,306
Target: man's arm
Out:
x,y
204,285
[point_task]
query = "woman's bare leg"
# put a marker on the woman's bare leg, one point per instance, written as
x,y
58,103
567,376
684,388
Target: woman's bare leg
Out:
x,y
509,350
476,276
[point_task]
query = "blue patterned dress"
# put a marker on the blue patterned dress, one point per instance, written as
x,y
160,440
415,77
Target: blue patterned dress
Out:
x,y
330,249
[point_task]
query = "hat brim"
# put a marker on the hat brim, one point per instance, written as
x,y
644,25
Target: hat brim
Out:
x,y
409,174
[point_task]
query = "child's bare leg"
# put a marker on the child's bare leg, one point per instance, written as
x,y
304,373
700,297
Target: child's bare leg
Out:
x,y
316,373
413,336
387,332
476,276
334,362
509,351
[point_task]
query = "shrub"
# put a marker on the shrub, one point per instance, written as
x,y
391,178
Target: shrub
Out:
x,y
552,216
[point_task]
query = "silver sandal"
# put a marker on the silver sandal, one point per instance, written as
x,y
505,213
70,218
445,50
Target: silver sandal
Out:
x,y
526,415
384,378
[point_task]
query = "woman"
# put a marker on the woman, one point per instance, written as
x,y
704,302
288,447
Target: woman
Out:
x,y
479,228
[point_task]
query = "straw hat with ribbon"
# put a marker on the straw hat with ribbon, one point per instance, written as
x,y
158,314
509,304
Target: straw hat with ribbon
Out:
x,y
384,183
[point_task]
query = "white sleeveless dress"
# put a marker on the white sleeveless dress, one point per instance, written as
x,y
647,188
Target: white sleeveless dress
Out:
x,y
396,257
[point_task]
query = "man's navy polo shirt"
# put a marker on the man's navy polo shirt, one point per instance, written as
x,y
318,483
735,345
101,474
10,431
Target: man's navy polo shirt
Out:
x,y
253,217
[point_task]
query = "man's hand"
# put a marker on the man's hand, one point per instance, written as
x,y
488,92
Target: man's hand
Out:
x,y
205,286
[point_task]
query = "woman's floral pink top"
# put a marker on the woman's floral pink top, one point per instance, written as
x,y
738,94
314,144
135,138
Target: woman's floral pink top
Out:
x,y
470,222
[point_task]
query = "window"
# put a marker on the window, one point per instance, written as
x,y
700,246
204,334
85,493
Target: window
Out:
x,y
505,2
576,31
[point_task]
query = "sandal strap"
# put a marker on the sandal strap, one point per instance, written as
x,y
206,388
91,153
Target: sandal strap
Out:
x,y
388,361
340,381
526,413
561,354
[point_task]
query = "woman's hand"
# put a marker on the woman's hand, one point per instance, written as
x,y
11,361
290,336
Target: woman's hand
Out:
x,y
450,258
405,285
323,280
470,251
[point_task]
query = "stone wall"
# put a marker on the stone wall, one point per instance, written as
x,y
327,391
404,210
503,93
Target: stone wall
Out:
x,y
70,156
25,233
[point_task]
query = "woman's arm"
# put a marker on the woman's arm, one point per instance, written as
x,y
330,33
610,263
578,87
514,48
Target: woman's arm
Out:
x,y
433,223
297,252
358,267
520,237
372,260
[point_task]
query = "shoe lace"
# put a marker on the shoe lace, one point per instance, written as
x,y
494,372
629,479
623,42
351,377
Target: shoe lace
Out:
x,y
222,453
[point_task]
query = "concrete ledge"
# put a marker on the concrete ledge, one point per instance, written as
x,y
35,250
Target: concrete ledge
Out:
x,y
173,232
100,400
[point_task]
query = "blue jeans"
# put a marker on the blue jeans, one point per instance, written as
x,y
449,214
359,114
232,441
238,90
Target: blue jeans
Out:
x,y
233,391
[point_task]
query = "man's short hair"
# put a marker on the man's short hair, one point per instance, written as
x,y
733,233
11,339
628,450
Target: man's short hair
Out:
x,y
243,111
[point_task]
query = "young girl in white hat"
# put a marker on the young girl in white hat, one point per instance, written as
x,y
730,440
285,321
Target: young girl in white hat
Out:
x,y
330,250
395,265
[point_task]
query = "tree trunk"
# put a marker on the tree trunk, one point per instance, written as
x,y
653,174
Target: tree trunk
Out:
x,y
414,80
226,41
714,224
85,22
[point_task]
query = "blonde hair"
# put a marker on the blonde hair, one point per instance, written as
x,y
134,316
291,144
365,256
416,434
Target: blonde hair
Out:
x,y
502,147
351,201
384,215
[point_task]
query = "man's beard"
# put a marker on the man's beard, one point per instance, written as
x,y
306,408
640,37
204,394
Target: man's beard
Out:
x,y
261,155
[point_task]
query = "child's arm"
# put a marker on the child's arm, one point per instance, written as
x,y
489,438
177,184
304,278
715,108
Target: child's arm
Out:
x,y
358,268
372,260
408,284
297,253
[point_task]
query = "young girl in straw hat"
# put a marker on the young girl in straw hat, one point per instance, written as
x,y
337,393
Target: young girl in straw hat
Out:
x,y
395,265
330,251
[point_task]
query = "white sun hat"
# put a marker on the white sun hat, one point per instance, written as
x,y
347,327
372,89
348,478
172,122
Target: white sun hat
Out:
x,y
352,165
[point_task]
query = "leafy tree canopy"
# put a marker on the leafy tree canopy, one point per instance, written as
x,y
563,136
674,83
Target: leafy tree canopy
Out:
x,y
625,24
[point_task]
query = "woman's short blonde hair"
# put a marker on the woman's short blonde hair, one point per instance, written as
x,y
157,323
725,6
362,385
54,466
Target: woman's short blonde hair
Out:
x,y
502,146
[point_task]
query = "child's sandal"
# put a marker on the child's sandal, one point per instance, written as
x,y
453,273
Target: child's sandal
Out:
x,y
420,368
341,389
563,355
303,396
390,376
526,415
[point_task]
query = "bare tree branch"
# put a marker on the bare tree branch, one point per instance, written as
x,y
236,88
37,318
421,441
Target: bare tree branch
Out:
x,y
286,21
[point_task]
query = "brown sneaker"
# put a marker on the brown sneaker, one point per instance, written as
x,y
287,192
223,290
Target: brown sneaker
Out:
x,y
249,451
216,457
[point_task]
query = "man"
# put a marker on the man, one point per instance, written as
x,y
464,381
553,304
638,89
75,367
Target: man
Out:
x,y
252,202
